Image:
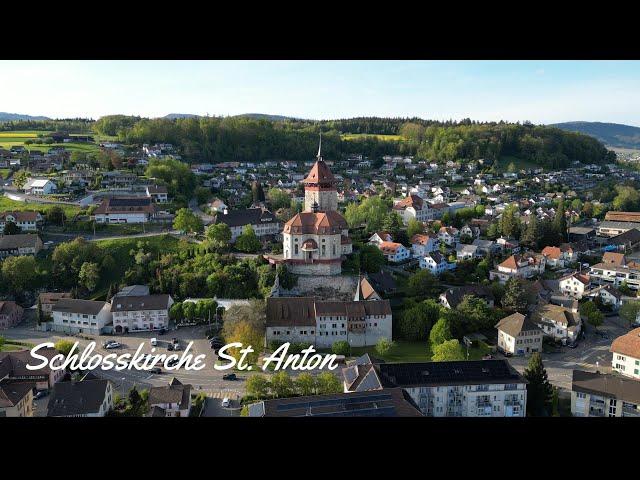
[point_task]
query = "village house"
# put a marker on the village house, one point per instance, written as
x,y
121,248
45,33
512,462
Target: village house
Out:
x,y
519,266
626,354
158,193
394,252
574,285
116,179
449,235
436,263
518,335
595,394
20,244
13,368
140,313
10,314
16,399
89,397
173,400
452,297
485,247
125,210
28,221
423,243
466,252
413,207
608,295
261,220
508,245
378,237
39,186
557,322
71,315
559,256
477,388
218,206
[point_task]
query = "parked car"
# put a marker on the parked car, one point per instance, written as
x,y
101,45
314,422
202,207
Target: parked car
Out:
x,y
229,376
108,342
170,347
172,362
154,342
41,394
112,345
177,347
175,340
226,403
162,331
572,345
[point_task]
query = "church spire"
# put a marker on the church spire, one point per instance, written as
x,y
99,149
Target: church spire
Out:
x,y
319,156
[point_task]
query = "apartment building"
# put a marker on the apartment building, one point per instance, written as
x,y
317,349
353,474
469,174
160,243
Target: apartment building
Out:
x,y
479,388
140,313
518,335
626,354
391,402
49,299
602,395
612,274
71,315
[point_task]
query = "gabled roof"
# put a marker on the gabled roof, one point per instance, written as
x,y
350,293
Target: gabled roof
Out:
x,y
412,200
77,398
175,392
364,290
319,173
516,323
320,223
11,393
628,344
390,247
625,389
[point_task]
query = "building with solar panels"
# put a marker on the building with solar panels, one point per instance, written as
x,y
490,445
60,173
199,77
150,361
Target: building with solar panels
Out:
x,y
125,210
393,402
478,388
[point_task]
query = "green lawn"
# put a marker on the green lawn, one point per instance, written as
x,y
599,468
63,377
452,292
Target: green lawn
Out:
x,y
11,139
6,204
4,173
415,352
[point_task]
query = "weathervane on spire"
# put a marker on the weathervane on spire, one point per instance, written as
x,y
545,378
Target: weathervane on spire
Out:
x,y
320,147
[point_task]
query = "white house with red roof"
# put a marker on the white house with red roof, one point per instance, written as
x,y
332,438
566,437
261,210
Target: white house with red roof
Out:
x,y
519,266
423,243
449,235
574,285
394,252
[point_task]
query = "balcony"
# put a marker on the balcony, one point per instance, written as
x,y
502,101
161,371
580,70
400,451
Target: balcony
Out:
x,y
512,402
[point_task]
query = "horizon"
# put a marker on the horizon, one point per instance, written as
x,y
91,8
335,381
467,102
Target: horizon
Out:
x,y
542,92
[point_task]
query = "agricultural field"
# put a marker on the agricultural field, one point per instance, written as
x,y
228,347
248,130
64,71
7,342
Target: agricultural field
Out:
x,y
356,136
6,204
11,139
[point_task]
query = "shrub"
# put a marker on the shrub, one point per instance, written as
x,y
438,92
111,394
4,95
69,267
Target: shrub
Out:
x,y
341,347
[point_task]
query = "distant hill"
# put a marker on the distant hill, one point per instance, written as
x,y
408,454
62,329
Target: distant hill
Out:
x,y
12,117
266,116
611,134
173,116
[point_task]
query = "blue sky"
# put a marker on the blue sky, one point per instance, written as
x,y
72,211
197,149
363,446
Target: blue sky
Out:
x,y
539,91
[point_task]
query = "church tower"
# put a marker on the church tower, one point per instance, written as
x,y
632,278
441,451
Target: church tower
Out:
x,y
320,193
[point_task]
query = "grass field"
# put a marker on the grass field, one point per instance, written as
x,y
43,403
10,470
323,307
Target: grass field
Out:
x,y
4,173
356,136
6,204
414,352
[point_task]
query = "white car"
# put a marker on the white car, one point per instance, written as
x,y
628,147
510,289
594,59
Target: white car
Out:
x,y
226,402
154,342
112,345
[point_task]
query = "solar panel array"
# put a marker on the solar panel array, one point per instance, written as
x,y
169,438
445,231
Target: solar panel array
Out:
x,y
346,406
129,202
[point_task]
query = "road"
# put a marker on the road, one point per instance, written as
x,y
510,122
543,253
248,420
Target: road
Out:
x,y
195,208
208,380
591,354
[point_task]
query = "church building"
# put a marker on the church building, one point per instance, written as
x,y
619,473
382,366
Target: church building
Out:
x,y
315,240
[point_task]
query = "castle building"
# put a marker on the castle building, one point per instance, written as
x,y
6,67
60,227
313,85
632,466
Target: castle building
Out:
x,y
315,240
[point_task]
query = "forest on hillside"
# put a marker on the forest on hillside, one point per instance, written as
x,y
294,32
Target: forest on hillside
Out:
x,y
242,138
